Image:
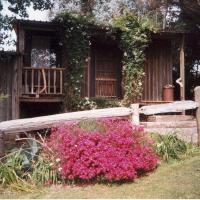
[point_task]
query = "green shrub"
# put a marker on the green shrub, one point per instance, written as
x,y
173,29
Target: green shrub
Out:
x,y
106,103
24,168
13,172
45,172
90,125
96,103
169,146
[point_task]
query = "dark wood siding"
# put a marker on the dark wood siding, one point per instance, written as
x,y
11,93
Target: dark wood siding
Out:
x,y
8,89
105,71
158,70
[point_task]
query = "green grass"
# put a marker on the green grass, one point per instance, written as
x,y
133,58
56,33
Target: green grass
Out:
x,y
171,180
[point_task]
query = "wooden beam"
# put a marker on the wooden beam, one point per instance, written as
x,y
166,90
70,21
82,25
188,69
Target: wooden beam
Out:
x,y
177,106
37,123
182,67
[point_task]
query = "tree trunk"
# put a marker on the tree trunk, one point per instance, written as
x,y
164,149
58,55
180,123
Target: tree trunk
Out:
x,y
87,7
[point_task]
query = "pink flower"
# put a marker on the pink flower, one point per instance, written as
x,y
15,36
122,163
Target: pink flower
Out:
x,y
120,151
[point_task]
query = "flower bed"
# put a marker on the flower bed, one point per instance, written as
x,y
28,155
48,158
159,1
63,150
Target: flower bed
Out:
x,y
115,150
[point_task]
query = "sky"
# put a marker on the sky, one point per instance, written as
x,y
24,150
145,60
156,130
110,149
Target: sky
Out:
x,y
33,15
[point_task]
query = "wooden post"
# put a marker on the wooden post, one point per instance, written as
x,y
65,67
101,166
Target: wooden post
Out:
x,y
1,144
89,74
54,81
49,81
182,68
135,114
32,81
61,82
197,99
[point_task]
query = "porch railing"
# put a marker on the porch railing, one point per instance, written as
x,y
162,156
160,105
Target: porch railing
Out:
x,y
42,80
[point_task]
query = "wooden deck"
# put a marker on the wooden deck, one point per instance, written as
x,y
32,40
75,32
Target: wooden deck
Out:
x,y
42,84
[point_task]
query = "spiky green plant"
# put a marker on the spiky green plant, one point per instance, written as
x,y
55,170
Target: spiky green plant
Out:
x,y
169,146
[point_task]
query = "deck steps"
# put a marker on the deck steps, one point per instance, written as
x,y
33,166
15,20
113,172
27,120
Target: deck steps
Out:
x,y
184,126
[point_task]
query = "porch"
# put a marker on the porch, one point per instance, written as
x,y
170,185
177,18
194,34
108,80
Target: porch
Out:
x,y
42,84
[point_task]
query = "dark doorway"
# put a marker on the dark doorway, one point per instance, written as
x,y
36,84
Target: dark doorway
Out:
x,y
39,109
192,66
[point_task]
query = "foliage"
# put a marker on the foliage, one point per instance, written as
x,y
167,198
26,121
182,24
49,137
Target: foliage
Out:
x,y
97,103
78,31
117,153
90,125
17,8
87,104
76,42
134,40
106,103
45,172
172,180
13,171
170,147
23,168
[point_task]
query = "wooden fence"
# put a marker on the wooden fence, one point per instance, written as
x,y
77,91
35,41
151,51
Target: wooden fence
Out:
x,y
37,123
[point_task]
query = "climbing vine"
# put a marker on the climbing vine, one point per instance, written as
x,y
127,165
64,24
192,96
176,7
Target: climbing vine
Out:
x,y
135,31
134,38
77,33
76,40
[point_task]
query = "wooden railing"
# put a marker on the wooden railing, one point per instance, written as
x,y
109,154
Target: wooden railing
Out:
x,y
42,80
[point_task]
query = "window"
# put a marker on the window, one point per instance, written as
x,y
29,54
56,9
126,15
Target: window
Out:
x,y
42,53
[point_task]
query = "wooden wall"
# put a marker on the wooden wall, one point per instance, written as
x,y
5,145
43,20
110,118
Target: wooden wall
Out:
x,y
9,88
102,73
158,70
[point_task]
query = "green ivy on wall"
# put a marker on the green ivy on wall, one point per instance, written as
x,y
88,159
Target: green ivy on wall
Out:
x,y
134,38
76,41
135,32
77,34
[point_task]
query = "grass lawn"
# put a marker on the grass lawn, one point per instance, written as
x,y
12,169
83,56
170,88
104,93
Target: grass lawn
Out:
x,y
172,180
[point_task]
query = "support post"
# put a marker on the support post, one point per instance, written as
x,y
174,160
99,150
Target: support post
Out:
x,y
135,118
182,68
1,144
197,99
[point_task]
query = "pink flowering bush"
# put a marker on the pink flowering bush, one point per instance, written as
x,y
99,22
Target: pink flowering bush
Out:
x,y
115,151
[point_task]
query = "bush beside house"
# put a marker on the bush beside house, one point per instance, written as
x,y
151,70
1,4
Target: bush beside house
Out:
x,y
114,151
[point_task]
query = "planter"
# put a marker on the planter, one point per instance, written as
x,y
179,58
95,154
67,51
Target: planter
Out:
x,y
168,93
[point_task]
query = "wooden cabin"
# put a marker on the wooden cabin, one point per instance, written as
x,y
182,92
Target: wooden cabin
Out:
x,y
41,65
35,74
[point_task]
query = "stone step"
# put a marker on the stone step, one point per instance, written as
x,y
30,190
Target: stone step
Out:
x,y
170,124
169,118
